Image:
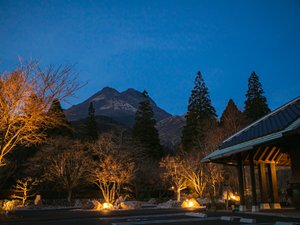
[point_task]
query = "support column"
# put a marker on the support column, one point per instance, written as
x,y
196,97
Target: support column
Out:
x,y
294,152
241,183
263,186
253,187
273,186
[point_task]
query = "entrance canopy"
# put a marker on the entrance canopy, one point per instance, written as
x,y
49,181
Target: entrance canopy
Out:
x,y
273,140
266,140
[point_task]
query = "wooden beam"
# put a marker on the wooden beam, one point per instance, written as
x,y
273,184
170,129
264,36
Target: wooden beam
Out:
x,y
276,154
241,180
256,153
263,182
253,183
270,153
273,183
263,153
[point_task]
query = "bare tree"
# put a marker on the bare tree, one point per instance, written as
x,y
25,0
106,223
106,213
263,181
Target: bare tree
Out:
x,y
213,172
26,94
24,189
214,177
114,167
194,172
173,172
64,162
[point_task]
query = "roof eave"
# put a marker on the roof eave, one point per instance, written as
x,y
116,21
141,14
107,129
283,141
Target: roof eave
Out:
x,y
245,146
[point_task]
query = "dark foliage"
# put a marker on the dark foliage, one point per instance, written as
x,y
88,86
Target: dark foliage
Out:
x,y
256,104
200,114
90,129
64,128
232,119
144,133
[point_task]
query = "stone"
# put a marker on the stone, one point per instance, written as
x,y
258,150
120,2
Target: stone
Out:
x,y
169,204
97,205
275,206
152,201
227,218
38,200
243,208
255,208
264,206
78,204
119,201
93,204
130,205
203,201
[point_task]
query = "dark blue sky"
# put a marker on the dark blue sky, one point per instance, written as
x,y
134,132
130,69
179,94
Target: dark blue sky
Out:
x,y
160,45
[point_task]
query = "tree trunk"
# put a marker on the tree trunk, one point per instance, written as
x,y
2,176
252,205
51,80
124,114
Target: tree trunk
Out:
x,y
178,195
69,196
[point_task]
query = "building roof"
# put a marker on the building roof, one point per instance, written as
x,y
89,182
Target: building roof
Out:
x,y
272,126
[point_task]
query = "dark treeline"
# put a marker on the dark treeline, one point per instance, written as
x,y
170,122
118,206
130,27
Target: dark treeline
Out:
x,y
78,158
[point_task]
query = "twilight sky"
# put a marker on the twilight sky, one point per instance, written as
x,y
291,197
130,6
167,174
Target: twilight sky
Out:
x,y
160,45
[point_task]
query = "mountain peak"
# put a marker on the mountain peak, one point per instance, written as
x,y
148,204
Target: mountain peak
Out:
x,y
131,91
119,106
109,90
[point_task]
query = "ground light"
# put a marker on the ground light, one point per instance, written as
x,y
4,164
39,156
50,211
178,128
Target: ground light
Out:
x,y
190,203
107,205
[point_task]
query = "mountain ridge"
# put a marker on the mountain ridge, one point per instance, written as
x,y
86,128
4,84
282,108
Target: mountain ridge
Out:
x,y
120,106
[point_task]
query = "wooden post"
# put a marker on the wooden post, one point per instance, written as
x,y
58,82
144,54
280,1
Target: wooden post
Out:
x,y
241,183
273,186
253,187
294,152
263,186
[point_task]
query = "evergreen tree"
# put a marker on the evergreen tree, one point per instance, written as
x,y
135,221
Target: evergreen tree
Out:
x,y
200,116
232,119
256,103
90,129
64,127
144,134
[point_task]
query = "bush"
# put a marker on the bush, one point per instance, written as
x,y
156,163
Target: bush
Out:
x,y
9,205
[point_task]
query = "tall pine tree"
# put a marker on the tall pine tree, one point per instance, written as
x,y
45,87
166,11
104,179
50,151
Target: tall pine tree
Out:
x,y
232,119
256,104
200,116
64,127
144,133
90,129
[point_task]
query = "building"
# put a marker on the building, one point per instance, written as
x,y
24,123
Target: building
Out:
x,y
264,145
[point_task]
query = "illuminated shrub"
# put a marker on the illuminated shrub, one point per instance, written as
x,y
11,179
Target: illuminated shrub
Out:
x,y
9,205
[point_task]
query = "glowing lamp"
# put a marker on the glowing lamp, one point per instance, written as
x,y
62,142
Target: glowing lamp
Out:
x,y
105,205
190,204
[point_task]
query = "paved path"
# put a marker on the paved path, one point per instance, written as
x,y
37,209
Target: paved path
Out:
x,y
137,217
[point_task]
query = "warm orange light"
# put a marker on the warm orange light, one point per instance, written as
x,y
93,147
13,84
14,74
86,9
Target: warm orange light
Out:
x,y
105,205
235,198
190,204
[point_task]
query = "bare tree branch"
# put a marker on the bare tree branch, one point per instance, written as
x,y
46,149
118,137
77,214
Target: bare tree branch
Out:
x,y
26,94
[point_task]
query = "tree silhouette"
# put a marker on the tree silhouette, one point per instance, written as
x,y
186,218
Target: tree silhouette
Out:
x,y
199,117
232,119
144,133
90,129
256,104
64,127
